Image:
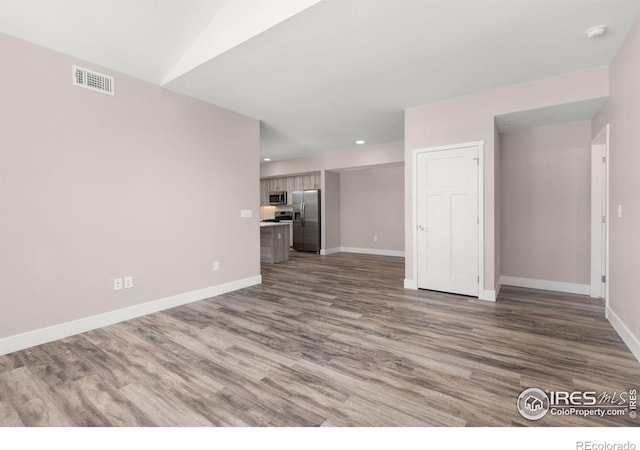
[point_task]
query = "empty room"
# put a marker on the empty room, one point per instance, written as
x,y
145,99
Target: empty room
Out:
x,y
308,213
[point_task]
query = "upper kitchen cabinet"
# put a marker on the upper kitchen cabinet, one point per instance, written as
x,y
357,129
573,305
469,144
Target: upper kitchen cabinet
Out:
x,y
311,181
277,184
264,192
291,186
288,184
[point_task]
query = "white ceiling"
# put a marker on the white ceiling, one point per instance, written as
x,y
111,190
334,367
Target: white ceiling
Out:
x,y
142,38
320,75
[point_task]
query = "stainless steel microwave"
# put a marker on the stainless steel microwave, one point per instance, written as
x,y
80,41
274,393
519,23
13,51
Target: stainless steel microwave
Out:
x,y
278,198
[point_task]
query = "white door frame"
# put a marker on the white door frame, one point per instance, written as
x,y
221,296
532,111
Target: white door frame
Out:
x,y
482,294
596,240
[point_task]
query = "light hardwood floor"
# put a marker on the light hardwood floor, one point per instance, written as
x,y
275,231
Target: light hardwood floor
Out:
x,y
324,341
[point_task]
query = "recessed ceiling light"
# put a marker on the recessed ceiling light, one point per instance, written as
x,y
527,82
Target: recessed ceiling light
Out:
x,y
596,31
267,159
360,142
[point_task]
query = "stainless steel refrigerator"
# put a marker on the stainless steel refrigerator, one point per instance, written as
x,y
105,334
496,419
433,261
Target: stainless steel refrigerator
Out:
x,y
306,220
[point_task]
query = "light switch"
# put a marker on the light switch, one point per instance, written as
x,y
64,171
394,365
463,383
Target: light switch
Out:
x,y
619,211
246,213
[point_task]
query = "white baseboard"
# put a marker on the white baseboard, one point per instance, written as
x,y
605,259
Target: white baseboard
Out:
x,y
487,294
410,284
330,251
373,251
571,288
627,336
43,335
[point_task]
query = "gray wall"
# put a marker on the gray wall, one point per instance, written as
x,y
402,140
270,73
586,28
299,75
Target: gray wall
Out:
x,y
331,232
545,203
622,111
146,183
498,206
371,204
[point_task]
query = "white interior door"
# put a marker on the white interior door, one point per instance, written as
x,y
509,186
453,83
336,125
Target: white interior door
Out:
x,y
447,220
599,219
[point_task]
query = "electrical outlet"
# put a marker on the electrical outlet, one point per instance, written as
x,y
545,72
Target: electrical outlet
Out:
x,y
375,239
117,284
128,282
216,266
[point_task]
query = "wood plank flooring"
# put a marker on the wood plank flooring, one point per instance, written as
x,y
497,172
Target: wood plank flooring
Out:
x,y
324,341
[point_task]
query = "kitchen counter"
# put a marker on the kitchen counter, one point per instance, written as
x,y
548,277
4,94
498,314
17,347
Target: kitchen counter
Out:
x,y
274,242
272,224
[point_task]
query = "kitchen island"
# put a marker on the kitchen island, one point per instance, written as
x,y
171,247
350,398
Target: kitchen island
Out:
x,y
274,242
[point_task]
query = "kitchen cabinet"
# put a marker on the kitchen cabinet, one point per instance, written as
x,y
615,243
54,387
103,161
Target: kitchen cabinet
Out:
x,y
311,181
288,184
264,192
274,242
277,184
291,186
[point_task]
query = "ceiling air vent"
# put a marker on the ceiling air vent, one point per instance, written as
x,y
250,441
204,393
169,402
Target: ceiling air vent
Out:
x,y
93,80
